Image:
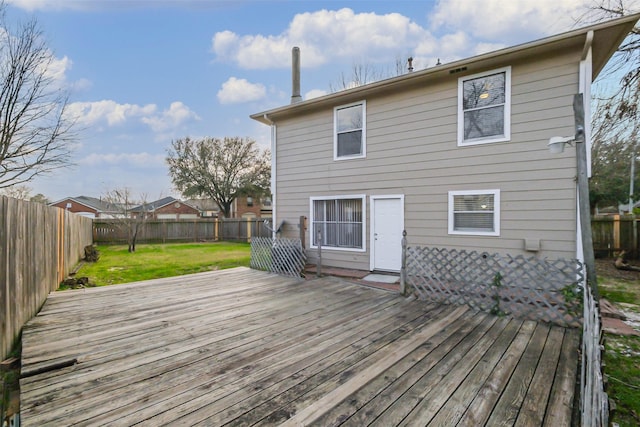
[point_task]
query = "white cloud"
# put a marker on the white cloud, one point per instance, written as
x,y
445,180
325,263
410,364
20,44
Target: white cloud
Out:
x,y
235,91
175,116
347,34
481,48
110,113
134,159
509,21
315,93
81,85
31,5
99,112
57,68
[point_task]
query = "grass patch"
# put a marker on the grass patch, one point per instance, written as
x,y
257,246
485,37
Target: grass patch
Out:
x,y
622,367
155,261
622,354
618,290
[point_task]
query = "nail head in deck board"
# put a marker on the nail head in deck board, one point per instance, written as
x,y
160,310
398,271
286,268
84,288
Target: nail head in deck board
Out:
x,y
260,347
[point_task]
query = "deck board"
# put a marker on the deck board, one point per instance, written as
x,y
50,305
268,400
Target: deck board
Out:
x,y
242,347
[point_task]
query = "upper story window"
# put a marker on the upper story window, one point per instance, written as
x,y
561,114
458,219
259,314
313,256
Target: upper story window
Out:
x,y
475,212
349,131
484,107
249,201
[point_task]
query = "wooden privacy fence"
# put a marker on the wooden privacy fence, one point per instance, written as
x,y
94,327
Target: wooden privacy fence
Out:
x,y
185,230
613,233
39,245
529,288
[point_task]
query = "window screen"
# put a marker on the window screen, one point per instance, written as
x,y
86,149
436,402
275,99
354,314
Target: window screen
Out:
x,y
339,221
349,131
484,106
474,212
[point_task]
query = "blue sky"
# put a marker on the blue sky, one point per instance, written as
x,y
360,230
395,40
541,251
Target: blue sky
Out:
x,y
143,73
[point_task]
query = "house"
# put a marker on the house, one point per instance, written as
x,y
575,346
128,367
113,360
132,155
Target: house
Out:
x,y
167,208
251,207
208,207
457,155
90,207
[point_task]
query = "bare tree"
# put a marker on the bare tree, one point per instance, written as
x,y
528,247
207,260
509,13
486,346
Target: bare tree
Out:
x,y
614,148
615,119
131,215
220,169
626,60
35,132
363,73
21,192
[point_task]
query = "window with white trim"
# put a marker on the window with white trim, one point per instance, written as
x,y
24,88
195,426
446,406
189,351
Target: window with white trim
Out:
x,y
484,107
474,212
349,131
340,221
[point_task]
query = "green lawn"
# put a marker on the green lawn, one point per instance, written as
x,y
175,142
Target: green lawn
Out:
x,y
153,261
622,354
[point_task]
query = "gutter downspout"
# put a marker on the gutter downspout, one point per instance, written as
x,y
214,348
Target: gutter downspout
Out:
x,y
273,176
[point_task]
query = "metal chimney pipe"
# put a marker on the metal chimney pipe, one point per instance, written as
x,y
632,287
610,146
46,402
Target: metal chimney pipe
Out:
x,y
295,75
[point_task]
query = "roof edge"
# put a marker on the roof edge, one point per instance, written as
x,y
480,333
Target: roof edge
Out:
x,y
625,21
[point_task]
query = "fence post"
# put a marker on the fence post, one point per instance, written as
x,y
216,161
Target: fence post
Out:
x,y
303,230
403,268
319,263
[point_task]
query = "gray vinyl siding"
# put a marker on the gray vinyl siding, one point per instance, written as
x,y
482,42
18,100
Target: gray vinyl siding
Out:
x,y
412,150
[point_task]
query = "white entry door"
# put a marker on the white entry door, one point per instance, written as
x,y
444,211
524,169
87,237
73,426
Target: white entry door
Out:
x,y
387,213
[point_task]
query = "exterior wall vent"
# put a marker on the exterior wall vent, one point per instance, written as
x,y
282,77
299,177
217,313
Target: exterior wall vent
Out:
x,y
457,70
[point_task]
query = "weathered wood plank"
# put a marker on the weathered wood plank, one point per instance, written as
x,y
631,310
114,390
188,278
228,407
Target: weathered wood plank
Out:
x,y
242,370
376,396
455,406
237,350
534,405
302,374
478,412
250,348
339,368
559,410
314,411
427,375
449,381
506,410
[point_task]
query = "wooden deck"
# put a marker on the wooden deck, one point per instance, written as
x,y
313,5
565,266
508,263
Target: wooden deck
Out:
x,y
242,347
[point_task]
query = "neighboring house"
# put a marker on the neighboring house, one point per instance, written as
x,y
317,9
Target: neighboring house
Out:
x,y
251,207
90,207
208,207
167,208
456,155
624,208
